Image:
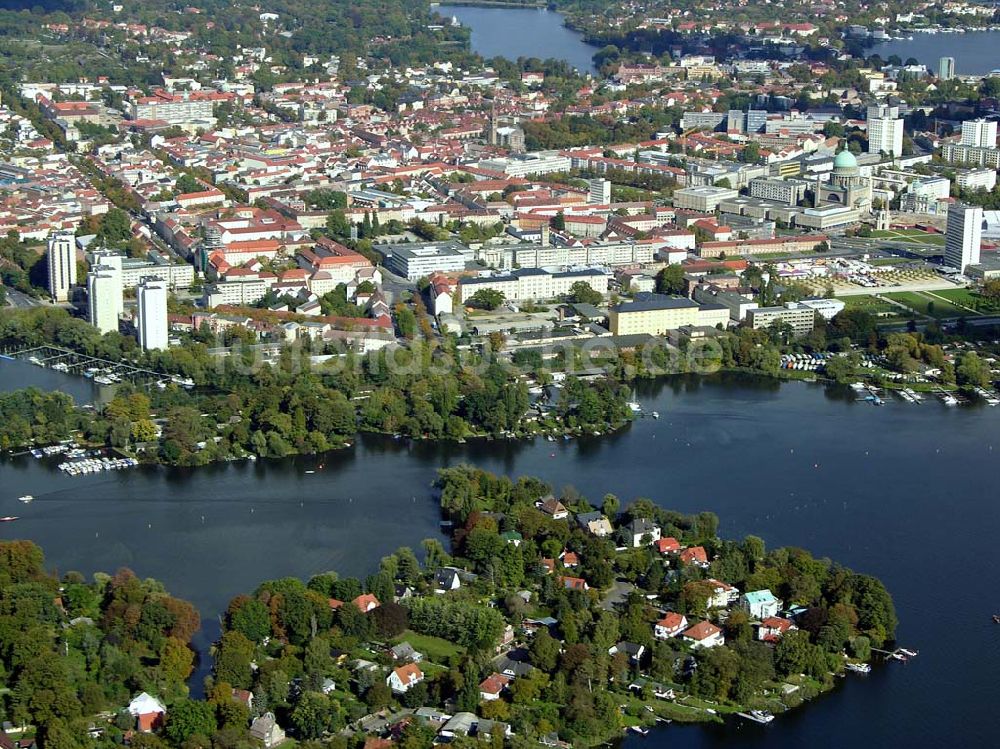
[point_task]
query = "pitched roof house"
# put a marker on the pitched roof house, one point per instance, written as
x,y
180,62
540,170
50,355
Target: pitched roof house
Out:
x,y
491,687
671,625
266,729
553,508
366,602
695,555
402,679
704,635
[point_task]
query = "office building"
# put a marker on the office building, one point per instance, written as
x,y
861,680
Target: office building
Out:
x,y
946,68
151,317
414,261
885,130
535,283
955,153
655,314
787,191
800,318
976,179
61,256
704,198
963,237
751,121
104,295
599,191
979,133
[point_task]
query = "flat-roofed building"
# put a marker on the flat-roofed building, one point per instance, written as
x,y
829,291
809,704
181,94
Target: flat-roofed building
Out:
x,y
414,261
802,319
704,198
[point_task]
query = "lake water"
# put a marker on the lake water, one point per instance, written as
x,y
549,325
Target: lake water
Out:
x,y
523,32
975,52
16,374
904,492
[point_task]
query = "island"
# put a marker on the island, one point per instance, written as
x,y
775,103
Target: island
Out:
x,y
547,620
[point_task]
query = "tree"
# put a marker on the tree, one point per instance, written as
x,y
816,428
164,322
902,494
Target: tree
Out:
x,y
671,280
232,660
544,651
312,715
558,222
972,371
338,225
582,292
250,618
189,718
116,227
488,299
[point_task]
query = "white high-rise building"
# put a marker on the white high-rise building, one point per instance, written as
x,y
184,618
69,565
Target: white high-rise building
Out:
x,y
885,130
964,235
104,295
599,191
151,319
61,256
979,133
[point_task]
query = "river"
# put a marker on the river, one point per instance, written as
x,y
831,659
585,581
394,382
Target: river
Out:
x,y
975,52
523,32
904,492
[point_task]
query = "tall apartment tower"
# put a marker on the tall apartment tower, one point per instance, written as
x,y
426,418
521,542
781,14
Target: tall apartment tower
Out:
x,y
151,320
104,294
964,235
979,133
885,130
61,256
599,191
946,68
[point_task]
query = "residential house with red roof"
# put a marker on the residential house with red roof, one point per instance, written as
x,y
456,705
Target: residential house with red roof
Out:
x,y
671,625
404,678
703,635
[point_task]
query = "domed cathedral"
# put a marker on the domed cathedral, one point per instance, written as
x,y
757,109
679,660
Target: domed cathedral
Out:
x,y
846,186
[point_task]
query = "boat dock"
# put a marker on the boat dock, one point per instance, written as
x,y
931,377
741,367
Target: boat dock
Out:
x,y
102,371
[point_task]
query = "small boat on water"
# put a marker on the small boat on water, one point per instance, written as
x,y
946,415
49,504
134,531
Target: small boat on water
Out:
x,y
9,519
639,730
308,472
859,668
26,498
996,618
655,414
758,716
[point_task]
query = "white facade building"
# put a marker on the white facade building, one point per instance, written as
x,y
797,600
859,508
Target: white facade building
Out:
x,y
151,317
979,133
977,179
599,192
104,295
964,235
885,130
535,283
61,256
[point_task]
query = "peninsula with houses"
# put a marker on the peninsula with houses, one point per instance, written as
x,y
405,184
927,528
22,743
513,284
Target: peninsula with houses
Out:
x,y
546,620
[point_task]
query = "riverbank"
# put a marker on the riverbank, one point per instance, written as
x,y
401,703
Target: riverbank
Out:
x,y
803,464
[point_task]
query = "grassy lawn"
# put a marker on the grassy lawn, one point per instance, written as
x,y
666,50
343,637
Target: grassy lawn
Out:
x,y
925,304
912,236
433,648
968,298
880,308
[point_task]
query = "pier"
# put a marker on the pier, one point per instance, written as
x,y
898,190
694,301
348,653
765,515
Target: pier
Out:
x,y
103,371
